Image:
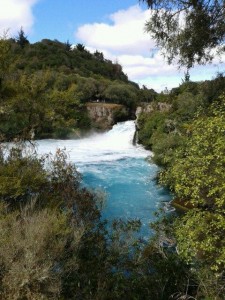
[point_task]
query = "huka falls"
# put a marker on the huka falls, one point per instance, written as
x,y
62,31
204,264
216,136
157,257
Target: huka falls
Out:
x,y
112,150
112,163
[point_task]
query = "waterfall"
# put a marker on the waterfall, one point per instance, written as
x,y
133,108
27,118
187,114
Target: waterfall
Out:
x,y
113,145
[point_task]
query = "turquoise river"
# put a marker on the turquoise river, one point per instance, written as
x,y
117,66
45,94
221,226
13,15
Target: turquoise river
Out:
x,y
111,163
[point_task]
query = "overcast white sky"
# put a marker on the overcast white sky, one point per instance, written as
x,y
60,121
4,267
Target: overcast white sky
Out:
x,y
116,29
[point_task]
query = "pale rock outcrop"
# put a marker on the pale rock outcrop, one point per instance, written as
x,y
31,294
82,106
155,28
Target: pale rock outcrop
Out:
x,y
150,107
105,115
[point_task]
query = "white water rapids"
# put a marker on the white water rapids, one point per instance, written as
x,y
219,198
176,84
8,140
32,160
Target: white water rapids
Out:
x,y
113,145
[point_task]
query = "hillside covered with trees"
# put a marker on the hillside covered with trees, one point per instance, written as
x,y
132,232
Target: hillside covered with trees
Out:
x,y
45,85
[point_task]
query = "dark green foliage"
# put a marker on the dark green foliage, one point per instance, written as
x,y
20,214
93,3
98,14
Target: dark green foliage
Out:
x,y
147,95
148,126
77,60
164,145
54,245
188,142
44,87
214,88
46,216
20,178
99,55
167,130
21,39
201,31
68,46
120,115
197,177
5,48
121,93
80,47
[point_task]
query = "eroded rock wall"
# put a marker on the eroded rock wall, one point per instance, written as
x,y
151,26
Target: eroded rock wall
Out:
x,y
150,107
105,115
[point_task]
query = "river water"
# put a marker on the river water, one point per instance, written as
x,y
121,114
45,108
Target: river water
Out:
x,y
110,162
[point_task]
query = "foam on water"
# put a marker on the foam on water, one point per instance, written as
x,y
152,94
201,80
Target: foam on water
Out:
x,y
110,146
110,162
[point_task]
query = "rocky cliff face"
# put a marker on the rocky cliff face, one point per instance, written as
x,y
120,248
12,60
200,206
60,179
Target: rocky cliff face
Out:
x,y
150,107
105,115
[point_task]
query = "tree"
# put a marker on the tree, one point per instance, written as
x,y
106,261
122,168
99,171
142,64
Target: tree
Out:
x,y
147,95
99,55
68,46
21,39
121,94
80,47
4,57
25,111
33,252
197,176
187,30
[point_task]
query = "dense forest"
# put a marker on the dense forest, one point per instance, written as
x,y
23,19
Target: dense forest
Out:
x,y
45,85
188,142
53,241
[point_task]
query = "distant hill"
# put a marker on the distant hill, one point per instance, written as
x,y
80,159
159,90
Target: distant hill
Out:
x,y
66,58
